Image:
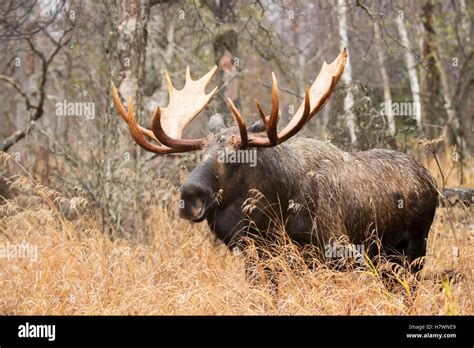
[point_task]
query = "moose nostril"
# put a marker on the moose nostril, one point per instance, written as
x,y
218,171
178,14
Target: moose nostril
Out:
x,y
193,191
195,200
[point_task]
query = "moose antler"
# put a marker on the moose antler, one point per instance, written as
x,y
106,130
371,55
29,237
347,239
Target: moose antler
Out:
x,y
314,100
169,122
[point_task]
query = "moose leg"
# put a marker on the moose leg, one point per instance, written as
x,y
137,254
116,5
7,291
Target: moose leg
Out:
x,y
258,273
256,279
416,248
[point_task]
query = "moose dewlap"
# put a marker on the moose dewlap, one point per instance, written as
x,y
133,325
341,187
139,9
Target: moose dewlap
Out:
x,y
315,191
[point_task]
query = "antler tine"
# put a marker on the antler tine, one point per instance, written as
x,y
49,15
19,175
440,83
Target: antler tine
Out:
x,y
320,90
271,122
124,116
160,134
118,103
301,121
317,95
281,137
186,103
169,83
261,112
138,136
206,79
188,74
325,98
241,123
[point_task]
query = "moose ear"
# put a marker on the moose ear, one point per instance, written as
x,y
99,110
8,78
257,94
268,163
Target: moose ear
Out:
x,y
256,127
216,123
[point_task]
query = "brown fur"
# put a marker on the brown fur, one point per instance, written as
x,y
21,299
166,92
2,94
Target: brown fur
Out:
x,y
319,193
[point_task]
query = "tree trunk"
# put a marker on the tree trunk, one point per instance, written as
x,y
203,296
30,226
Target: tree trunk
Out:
x,y
429,73
387,94
451,123
412,74
130,21
347,75
451,130
226,53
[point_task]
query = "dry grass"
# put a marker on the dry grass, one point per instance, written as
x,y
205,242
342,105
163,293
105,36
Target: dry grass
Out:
x,y
181,270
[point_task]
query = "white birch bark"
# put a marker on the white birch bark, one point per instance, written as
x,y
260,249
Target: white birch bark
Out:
x,y
412,74
347,75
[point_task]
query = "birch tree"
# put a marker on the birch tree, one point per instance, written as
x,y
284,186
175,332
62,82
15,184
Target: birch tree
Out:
x,y
347,75
387,95
411,67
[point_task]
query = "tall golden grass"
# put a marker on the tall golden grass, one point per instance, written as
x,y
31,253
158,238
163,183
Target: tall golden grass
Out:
x,y
181,269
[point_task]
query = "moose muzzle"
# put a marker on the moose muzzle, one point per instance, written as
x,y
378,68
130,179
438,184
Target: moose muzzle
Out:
x,y
196,202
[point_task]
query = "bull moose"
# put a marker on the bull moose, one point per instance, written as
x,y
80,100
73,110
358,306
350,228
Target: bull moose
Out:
x,y
359,196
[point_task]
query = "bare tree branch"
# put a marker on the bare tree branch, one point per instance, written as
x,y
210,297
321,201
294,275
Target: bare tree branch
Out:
x,y
6,144
20,90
